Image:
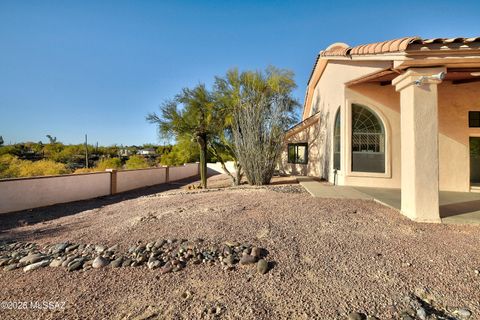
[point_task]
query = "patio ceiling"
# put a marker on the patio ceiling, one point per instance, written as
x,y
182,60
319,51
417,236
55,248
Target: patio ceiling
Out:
x,y
385,77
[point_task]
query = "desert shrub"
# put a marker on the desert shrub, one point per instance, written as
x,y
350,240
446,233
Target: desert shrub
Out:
x,y
108,163
12,167
136,162
42,168
85,170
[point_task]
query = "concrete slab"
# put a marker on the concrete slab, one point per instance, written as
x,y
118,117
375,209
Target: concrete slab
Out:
x,y
325,190
455,207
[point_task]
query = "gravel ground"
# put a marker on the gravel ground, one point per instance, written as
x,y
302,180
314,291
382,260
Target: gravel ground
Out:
x,y
330,257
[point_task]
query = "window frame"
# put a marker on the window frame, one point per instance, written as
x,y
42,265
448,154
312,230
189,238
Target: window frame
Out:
x,y
295,154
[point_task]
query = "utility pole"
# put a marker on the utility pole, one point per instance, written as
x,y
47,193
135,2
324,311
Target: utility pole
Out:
x,y
86,152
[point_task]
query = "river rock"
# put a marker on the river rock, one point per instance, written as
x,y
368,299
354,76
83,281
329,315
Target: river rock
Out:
x,y
32,258
99,262
116,263
248,259
36,265
56,263
262,266
153,264
75,265
11,267
463,313
256,252
356,316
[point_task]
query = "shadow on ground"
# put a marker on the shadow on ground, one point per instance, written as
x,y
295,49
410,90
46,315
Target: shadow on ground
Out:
x,y
12,220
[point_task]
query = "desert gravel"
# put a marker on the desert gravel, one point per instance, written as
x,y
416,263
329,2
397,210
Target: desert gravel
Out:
x,y
330,257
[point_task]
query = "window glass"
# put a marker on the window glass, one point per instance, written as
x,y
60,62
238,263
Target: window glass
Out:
x,y
368,141
336,142
298,153
474,119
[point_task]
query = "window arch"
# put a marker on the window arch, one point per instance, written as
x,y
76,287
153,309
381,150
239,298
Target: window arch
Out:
x,y
368,140
336,141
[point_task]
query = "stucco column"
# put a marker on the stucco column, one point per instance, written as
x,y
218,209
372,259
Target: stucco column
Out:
x,y
419,143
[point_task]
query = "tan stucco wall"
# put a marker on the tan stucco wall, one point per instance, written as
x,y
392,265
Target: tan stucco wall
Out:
x,y
327,97
182,172
21,194
134,179
454,102
27,193
311,135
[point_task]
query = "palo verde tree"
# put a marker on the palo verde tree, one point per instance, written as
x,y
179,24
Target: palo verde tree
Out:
x,y
191,114
263,109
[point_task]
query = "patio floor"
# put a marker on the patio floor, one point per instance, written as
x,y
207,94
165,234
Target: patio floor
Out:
x,y
455,207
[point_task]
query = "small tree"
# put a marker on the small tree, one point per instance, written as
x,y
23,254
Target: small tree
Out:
x,y
263,111
192,115
1,141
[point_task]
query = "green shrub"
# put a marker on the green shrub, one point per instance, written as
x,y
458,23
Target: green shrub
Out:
x,y
108,163
12,167
136,162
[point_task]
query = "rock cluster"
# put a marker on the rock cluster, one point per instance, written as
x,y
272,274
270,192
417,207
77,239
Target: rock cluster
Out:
x,y
167,255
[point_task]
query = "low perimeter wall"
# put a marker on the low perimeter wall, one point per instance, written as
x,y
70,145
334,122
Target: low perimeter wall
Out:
x,y
216,167
27,193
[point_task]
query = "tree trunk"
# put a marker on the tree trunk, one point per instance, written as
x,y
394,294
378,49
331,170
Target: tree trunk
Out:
x,y
238,173
202,143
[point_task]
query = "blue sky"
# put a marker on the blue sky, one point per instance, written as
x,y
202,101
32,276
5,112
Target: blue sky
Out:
x,y
73,67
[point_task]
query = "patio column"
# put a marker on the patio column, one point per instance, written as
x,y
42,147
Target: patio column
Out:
x,y
419,143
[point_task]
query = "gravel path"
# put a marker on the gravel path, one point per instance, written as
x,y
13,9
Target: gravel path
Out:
x,y
330,257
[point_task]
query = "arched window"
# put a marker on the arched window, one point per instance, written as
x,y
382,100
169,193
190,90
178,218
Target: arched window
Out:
x,y
368,141
336,142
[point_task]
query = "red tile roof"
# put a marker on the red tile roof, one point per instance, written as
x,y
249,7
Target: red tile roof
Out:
x,y
390,46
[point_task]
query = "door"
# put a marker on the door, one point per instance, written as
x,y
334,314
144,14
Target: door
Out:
x,y
475,161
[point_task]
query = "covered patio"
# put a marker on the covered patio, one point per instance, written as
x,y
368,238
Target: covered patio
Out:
x,y
454,207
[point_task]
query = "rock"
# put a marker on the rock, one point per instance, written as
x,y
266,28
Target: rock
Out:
x,y
166,268
421,313
113,248
116,263
248,259
356,316
100,262
71,248
56,263
256,252
262,266
127,262
231,244
60,247
229,260
36,265
463,313
4,261
11,267
153,264
32,258
75,265
67,261
99,248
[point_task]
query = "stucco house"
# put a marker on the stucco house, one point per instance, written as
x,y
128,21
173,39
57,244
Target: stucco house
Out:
x,y
403,113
